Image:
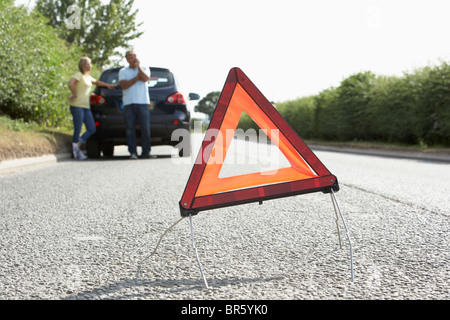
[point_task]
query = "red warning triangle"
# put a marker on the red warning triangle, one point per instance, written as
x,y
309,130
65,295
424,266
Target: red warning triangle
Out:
x,y
206,190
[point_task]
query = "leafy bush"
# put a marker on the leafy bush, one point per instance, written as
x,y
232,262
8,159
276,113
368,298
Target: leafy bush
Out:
x,y
411,109
300,113
434,110
36,65
393,108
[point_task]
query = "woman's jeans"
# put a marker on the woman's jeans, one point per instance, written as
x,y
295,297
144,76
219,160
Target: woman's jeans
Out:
x,y
81,115
141,113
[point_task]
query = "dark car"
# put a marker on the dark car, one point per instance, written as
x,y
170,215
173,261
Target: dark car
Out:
x,y
168,112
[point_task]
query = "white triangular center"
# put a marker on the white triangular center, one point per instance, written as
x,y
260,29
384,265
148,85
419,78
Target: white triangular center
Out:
x,y
251,151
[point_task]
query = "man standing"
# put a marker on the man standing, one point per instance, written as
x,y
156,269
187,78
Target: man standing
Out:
x,y
136,100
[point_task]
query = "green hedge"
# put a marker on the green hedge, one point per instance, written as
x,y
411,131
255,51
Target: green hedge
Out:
x,y
35,69
410,109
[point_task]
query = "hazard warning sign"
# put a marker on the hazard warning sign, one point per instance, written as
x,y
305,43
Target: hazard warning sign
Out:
x,y
206,189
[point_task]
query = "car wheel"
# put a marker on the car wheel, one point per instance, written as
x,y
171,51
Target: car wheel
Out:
x,y
93,148
108,150
71,150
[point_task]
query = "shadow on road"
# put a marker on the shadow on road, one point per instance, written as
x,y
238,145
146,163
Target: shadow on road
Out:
x,y
156,287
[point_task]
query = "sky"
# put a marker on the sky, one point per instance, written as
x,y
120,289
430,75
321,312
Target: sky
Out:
x,y
290,48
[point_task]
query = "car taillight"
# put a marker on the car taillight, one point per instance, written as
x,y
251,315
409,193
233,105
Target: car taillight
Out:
x,y
96,99
176,98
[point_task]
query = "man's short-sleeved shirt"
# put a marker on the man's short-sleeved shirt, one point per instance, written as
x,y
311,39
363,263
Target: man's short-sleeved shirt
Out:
x,y
138,92
83,87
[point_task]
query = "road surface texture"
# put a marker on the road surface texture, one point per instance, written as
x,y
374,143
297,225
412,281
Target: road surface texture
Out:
x,y
87,230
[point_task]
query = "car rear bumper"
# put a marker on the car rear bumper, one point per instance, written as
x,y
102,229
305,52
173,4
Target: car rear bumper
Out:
x,y
112,129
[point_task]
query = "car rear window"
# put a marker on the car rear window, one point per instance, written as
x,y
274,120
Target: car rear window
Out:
x,y
158,78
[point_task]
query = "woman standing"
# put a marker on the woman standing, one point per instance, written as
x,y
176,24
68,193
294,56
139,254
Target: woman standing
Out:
x,y
80,85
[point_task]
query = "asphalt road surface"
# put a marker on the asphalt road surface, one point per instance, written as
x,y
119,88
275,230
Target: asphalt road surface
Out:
x,y
87,230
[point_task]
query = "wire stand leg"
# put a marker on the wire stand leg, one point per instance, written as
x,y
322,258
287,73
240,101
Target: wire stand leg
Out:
x,y
336,208
196,252
337,222
156,248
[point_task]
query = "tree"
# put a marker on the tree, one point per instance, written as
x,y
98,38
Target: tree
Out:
x,y
100,29
208,104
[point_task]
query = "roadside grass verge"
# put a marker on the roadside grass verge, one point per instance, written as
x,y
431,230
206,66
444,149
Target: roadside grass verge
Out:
x,y
19,139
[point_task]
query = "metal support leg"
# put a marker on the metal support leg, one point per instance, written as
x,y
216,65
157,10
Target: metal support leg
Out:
x,y
337,222
336,209
156,248
196,253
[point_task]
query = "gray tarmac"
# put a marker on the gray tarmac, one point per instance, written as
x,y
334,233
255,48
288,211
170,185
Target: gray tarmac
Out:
x,y
73,230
